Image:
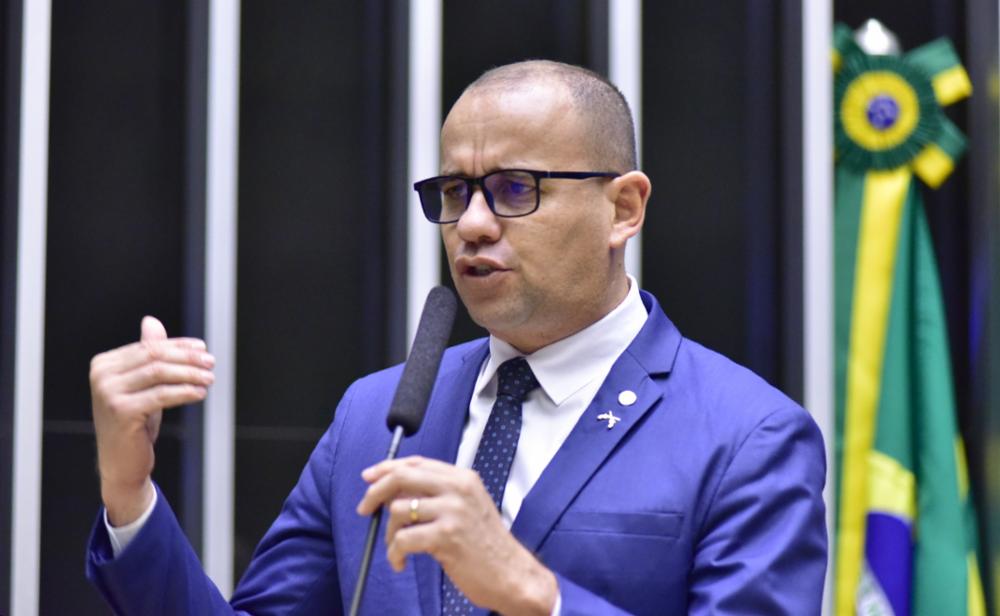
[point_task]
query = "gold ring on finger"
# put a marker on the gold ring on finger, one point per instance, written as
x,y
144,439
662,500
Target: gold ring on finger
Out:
x,y
414,510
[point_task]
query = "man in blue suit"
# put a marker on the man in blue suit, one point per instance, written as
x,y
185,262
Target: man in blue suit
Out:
x,y
585,459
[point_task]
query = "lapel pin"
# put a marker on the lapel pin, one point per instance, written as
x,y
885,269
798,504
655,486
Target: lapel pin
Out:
x,y
627,398
610,417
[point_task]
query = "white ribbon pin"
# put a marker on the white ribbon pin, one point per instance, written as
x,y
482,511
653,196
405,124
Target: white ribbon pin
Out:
x,y
610,417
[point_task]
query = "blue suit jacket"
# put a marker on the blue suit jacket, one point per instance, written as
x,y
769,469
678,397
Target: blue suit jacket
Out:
x,y
705,498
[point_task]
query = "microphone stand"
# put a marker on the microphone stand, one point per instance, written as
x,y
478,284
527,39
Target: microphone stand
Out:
x,y
366,559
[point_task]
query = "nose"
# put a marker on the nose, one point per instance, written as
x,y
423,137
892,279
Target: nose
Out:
x,y
478,223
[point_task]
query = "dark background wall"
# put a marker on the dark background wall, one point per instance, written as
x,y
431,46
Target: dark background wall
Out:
x,y
318,225
713,243
115,247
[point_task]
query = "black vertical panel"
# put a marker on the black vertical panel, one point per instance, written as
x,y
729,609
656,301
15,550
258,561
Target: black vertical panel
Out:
x,y
548,29
384,57
195,160
984,285
598,37
395,46
116,189
321,188
10,95
760,211
790,127
375,188
695,149
721,142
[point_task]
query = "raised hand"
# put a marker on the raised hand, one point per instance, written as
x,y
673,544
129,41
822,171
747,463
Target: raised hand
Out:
x,y
130,386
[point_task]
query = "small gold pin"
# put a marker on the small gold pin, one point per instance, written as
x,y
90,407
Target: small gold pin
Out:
x,y
610,417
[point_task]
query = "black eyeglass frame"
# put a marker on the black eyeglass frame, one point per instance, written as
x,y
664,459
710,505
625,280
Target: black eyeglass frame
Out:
x,y
472,182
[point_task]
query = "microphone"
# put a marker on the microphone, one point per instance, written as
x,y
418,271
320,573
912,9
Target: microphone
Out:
x,y
410,401
414,389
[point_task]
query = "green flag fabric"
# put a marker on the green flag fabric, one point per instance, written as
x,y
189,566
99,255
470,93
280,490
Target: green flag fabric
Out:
x,y
905,532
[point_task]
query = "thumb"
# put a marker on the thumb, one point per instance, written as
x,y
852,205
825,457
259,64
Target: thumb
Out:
x,y
152,329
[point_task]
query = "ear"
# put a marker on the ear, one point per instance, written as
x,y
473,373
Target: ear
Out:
x,y
629,193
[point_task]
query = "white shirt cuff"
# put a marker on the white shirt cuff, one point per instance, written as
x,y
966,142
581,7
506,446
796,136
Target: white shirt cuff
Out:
x,y
123,535
557,610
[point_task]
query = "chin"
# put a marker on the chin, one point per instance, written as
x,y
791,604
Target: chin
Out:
x,y
494,318
486,320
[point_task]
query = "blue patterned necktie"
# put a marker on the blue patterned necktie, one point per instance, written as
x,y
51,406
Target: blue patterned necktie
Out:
x,y
495,455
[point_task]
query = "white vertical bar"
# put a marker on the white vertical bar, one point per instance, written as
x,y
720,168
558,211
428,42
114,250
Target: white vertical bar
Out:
x,y
423,247
30,328
625,71
220,287
817,230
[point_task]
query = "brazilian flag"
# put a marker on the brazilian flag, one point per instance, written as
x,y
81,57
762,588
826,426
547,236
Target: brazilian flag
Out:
x,y
905,531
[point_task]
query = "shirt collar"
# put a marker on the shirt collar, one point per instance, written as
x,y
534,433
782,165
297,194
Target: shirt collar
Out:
x,y
565,366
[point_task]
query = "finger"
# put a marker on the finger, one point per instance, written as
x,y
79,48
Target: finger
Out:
x,y
161,397
415,539
188,342
160,373
130,356
402,513
401,480
377,471
152,329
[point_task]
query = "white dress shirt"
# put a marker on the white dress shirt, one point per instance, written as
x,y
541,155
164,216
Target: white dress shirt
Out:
x,y
569,374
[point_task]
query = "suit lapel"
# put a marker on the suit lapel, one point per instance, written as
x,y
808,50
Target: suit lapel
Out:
x,y
439,438
590,443
584,450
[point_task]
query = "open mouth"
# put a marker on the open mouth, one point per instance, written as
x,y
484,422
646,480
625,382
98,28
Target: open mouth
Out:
x,y
478,267
479,270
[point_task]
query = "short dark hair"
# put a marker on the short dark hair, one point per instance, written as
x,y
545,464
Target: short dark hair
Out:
x,y
601,106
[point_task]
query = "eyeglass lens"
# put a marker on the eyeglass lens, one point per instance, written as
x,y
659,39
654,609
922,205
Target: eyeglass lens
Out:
x,y
510,193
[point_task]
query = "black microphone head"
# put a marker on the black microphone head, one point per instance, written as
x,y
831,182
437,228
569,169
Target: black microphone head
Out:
x,y
414,389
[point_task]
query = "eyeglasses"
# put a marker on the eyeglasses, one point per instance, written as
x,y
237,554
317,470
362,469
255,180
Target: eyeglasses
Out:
x,y
509,192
